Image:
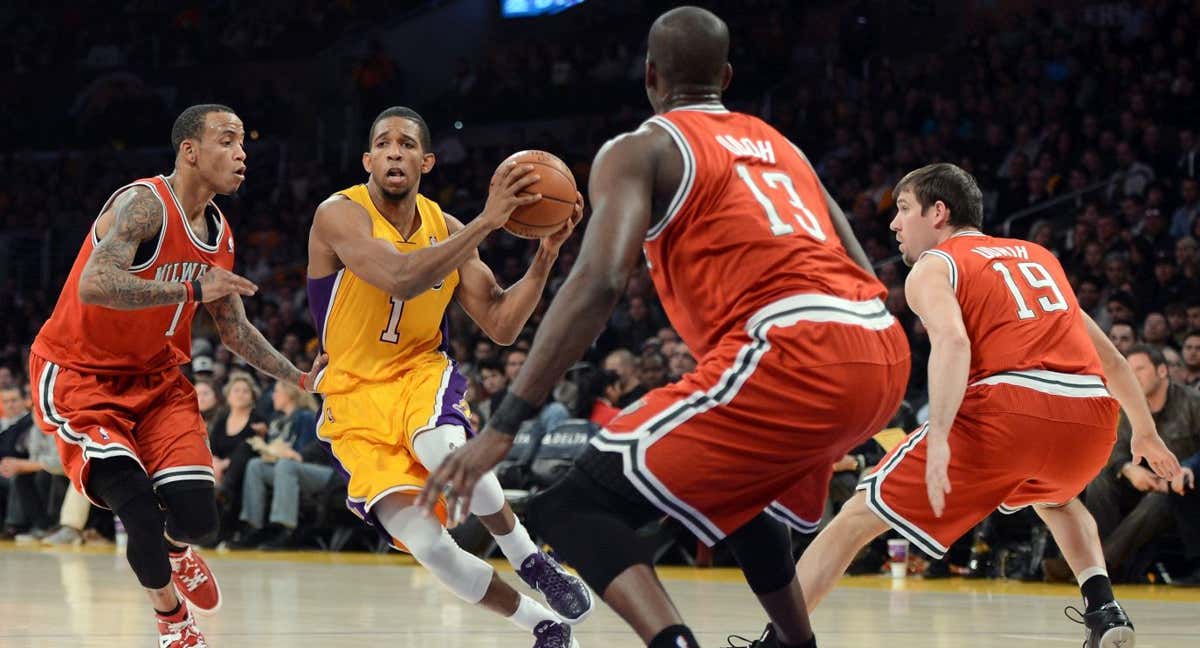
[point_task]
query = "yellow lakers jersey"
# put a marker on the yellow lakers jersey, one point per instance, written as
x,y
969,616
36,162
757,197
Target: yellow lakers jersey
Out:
x,y
372,337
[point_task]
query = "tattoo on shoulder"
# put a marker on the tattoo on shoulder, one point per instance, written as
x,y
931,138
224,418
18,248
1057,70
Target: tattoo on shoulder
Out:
x,y
138,215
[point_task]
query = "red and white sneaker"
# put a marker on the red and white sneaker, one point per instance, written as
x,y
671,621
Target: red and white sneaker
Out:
x,y
195,582
179,630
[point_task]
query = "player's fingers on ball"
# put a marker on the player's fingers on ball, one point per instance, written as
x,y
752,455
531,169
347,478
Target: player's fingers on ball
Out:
x,y
527,199
525,182
507,171
520,173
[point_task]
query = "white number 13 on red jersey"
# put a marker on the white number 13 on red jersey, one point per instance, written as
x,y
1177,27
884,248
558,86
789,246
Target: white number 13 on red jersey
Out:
x,y
775,180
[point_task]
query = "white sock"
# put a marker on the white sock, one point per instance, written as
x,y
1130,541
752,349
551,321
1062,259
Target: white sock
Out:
x,y
530,613
1089,572
516,545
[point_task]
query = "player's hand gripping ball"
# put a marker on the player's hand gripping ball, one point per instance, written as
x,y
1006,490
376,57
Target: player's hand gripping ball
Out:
x,y
557,186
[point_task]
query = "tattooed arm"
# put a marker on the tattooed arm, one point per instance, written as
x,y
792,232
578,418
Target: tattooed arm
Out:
x,y
136,216
106,280
242,338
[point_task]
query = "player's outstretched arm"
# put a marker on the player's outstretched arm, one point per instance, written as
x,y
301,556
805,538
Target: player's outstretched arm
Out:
x,y
1123,385
932,298
500,313
344,228
621,188
248,343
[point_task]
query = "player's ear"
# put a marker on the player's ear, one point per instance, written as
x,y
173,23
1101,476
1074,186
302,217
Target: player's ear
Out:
x,y
651,75
187,150
366,159
941,214
726,77
427,162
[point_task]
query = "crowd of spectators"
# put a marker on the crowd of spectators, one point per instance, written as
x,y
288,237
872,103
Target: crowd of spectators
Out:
x,y
1086,123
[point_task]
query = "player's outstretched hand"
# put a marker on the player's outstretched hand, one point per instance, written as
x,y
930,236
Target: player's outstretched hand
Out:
x,y
937,479
1150,446
551,244
456,477
309,381
219,282
507,192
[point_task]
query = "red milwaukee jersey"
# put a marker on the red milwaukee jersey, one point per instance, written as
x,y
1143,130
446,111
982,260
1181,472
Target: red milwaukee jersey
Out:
x,y
748,226
99,340
1018,308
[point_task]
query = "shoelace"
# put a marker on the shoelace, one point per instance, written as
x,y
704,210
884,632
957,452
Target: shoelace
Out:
x,y
184,631
190,572
194,580
556,586
749,643
1081,621
554,635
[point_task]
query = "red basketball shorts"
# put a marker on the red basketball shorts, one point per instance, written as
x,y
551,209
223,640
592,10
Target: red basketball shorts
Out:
x,y
765,414
153,419
1020,438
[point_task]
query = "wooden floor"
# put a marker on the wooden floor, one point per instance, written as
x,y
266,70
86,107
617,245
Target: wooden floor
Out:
x,y
85,597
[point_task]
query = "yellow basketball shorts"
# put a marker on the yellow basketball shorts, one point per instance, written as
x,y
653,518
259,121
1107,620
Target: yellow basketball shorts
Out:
x,y
370,431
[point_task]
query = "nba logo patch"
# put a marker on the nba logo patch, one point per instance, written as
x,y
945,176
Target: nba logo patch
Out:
x,y
104,435
329,415
231,245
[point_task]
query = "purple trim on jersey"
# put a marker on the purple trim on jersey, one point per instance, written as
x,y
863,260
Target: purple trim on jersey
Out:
x,y
452,398
320,291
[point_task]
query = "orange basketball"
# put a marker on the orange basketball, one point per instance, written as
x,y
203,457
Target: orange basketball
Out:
x,y
557,186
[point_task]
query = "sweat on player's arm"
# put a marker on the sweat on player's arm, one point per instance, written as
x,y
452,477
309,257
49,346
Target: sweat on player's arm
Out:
x,y
502,313
1123,385
931,296
240,336
620,188
342,229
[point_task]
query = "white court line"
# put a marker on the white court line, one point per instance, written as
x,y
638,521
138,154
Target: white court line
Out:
x,y
1063,639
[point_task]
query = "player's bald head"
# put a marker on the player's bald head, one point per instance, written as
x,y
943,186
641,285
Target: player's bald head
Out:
x,y
689,46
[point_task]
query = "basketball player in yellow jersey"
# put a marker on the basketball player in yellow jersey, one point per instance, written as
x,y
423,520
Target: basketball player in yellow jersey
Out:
x,y
384,263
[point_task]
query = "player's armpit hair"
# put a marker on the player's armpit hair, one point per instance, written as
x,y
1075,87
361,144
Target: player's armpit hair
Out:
x,y
106,280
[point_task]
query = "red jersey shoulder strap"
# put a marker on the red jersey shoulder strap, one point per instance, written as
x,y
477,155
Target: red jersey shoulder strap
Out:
x,y
150,184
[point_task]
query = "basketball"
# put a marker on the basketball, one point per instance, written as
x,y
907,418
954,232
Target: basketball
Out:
x,y
557,186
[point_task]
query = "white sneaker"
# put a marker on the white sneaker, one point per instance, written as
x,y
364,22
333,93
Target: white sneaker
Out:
x,y
64,536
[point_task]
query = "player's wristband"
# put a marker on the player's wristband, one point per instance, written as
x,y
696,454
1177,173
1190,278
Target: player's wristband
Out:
x,y
188,292
304,381
513,411
195,292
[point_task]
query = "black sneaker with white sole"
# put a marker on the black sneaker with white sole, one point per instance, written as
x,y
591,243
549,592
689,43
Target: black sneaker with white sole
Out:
x,y
1107,627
